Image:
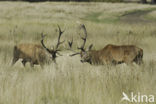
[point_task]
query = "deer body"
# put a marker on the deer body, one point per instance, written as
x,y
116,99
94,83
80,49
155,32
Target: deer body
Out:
x,y
33,53
124,53
113,54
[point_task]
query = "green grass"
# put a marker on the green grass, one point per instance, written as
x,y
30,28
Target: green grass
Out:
x,y
95,17
71,82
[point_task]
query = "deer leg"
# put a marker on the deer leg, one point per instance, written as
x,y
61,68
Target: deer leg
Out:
x,y
141,62
15,59
31,64
55,64
24,62
128,62
128,59
138,61
114,62
41,64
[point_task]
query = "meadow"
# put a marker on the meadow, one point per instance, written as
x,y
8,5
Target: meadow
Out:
x,y
70,81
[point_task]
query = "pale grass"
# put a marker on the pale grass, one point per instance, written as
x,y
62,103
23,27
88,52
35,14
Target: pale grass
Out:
x,y
151,15
70,81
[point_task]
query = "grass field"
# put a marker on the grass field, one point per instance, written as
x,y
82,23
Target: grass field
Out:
x,y
70,81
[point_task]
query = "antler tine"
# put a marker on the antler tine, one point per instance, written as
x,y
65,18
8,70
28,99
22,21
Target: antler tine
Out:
x,y
83,38
75,54
60,34
43,36
70,43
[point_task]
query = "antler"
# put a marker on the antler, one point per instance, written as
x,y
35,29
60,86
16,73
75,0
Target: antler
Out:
x,y
58,42
84,41
43,36
55,50
83,38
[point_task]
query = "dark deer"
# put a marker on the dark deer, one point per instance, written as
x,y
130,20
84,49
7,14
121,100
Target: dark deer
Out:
x,y
110,54
35,53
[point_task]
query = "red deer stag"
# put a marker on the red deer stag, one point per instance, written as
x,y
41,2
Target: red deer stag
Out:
x,y
110,54
35,53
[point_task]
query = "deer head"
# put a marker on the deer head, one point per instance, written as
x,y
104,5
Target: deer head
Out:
x,y
84,54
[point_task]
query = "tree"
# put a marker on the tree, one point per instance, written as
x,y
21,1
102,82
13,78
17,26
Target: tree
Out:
x,y
153,1
144,1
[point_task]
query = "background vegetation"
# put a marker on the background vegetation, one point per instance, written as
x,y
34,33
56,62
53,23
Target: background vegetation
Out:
x,y
67,0
113,1
70,81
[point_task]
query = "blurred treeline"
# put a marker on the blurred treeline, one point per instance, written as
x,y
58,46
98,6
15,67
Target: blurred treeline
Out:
x,y
68,0
142,1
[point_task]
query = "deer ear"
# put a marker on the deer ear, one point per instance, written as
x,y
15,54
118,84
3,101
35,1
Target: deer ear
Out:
x,y
90,47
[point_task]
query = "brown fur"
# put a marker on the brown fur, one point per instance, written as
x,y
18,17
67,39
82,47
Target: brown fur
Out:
x,y
33,53
113,54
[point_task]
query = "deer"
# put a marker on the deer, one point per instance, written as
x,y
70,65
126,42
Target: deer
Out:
x,y
110,54
37,54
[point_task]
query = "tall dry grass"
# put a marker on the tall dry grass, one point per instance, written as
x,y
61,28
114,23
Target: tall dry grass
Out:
x,y
70,81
